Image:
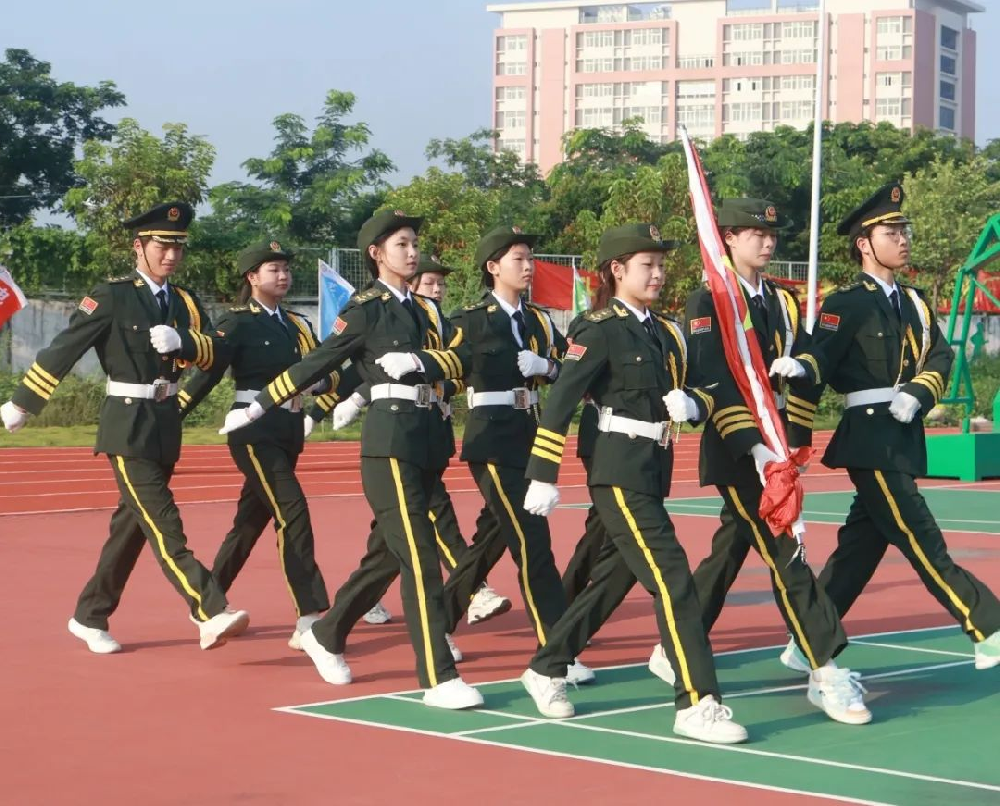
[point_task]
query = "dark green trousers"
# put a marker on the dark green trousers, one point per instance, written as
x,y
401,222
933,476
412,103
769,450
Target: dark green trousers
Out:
x,y
502,523
889,510
271,492
810,616
645,549
587,551
399,495
146,513
379,568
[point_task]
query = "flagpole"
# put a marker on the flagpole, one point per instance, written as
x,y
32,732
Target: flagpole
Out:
x,y
817,163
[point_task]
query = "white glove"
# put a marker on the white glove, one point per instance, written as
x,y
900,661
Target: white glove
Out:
x,y
14,417
238,418
346,411
541,498
532,364
680,406
787,368
164,339
904,407
308,423
762,457
396,365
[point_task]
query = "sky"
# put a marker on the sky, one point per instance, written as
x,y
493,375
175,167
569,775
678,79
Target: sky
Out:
x,y
419,69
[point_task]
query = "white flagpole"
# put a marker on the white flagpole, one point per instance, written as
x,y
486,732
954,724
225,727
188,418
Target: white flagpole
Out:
x,y
812,284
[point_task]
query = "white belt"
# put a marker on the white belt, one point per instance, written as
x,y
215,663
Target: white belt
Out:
x,y
612,424
867,397
422,394
520,398
250,395
159,390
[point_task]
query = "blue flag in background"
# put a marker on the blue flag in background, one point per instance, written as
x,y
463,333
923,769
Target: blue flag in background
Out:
x,y
334,293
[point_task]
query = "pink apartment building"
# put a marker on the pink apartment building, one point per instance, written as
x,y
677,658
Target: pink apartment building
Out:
x,y
727,67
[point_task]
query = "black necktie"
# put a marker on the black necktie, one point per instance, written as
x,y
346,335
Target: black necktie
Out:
x,y
759,304
647,323
161,299
280,321
894,299
518,318
408,304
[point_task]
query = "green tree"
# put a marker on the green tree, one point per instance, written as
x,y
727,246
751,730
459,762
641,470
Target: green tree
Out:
x,y
133,172
46,258
42,122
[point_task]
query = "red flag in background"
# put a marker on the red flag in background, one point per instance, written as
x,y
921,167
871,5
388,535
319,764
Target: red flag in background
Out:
x,y
552,285
11,298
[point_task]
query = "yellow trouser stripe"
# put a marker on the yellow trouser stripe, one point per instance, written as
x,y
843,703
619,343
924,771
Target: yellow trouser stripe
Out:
x,y
279,524
778,582
559,439
418,572
919,552
668,609
159,540
45,376
448,556
543,454
528,595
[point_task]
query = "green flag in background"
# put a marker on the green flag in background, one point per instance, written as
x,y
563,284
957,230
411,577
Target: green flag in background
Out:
x,y
581,299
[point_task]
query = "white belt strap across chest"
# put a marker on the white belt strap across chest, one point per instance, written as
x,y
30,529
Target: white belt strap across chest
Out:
x,y
250,395
609,423
421,394
519,398
869,397
789,333
158,390
925,326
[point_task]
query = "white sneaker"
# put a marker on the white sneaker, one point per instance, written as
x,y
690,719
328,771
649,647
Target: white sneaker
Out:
x,y
99,641
793,658
988,652
709,721
840,694
579,675
456,653
218,629
378,615
332,668
455,695
487,604
302,623
659,664
549,694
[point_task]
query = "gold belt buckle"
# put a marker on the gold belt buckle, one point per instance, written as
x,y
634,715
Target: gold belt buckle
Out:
x,y
161,389
521,398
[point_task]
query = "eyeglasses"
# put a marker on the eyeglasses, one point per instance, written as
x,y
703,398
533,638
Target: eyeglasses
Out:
x,y
898,234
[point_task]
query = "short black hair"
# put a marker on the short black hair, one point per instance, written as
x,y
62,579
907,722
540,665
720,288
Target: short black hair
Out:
x,y
496,257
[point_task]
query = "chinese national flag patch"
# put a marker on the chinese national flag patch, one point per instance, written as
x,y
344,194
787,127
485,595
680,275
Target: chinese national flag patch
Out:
x,y
829,321
339,326
701,325
575,352
88,305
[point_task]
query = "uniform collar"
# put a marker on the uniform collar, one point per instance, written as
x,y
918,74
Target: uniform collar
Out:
x,y
888,289
275,312
153,286
401,296
642,317
507,307
751,291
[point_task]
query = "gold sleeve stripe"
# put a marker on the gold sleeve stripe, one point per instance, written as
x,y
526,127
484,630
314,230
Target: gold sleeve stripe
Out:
x,y
801,409
932,383
798,416
736,421
732,410
439,357
44,394
936,378
708,400
811,362
457,338
543,454
930,387
279,385
459,387
45,376
798,421
541,442
454,363
721,422
326,402
552,435
740,426
802,403
40,380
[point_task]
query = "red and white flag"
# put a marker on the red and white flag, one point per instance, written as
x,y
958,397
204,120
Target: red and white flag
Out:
x,y
781,504
12,299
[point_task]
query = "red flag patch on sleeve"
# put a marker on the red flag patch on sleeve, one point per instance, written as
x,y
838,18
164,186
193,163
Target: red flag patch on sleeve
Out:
x,y
701,325
88,305
829,321
575,352
339,326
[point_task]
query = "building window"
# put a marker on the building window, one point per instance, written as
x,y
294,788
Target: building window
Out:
x,y
515,145
947,91
949,38
889,25
511,68
695,89
796,110
888,108
799,56
510,44
510,120
948,65
946,118
798,30
798,82
510,93
741,112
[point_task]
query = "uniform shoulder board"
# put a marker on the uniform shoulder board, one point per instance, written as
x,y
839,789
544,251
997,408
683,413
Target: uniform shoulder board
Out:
x,y
301,316
368,295
599,316
125,278
851,287
536,306
476,305
667,320
239,308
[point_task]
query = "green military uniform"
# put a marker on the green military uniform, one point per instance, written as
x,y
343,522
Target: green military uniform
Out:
x,y
401,443
627,366
261,345
725,459
497,441
866,351
140,423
